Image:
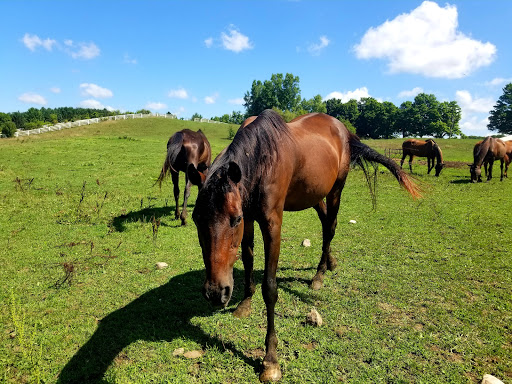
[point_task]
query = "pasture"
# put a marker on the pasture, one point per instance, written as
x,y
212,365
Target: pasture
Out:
x,y
422,292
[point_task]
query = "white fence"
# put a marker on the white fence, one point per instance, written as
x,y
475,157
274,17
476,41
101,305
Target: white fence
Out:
x,y
79,123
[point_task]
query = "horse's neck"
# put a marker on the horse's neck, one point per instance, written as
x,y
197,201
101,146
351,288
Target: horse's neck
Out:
x,y
439,154
482,152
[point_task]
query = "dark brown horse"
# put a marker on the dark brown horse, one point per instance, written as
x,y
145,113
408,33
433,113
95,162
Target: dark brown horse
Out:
x,y
184,148
423,148
271,167
485,152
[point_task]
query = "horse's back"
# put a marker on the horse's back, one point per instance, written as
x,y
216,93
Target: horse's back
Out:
x,y
321,157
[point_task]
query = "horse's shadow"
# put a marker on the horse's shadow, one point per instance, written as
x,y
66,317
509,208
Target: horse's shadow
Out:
x,y
163,313
146,215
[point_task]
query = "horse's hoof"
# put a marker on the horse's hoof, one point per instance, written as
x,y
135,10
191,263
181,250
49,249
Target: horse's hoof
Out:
x,y
243,309
183,222
317,283
271,372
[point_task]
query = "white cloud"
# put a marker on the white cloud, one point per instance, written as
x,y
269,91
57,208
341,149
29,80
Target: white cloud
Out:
x,y
211,99
32,98
498,82
180,93
316,49
156,106
239,101
235,41
128,60
85,51
95,91
410,93
208,42
426,42
34,41
94,104
55,90
470,105
346,96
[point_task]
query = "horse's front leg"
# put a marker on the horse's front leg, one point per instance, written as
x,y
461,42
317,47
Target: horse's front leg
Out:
x,y
429,166
271,231
244,308
410,163
186,195
176,190
501,167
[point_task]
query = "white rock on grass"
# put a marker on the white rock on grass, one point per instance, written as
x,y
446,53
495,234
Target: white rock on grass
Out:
x,y
490,379
306,243
161,265
313,318
352,221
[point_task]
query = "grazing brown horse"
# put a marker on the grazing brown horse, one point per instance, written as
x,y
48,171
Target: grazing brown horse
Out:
x,y
271,167
184,148
423,148
485,152
508,156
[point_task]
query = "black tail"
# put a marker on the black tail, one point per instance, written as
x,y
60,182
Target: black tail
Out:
x,y
173,149
361,154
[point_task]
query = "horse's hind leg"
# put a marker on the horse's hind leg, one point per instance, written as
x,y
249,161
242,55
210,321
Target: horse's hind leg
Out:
x,y
186,195
410,162
501,167
430,164
244,308
176,190
327,212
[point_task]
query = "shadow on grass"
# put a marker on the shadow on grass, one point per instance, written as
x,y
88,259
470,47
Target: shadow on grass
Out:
x,y
462,180
145,215
163,313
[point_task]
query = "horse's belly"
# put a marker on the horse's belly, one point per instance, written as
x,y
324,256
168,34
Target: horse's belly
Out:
x,y
306,194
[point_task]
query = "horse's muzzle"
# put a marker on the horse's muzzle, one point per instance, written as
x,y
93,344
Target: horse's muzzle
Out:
x,y
217,295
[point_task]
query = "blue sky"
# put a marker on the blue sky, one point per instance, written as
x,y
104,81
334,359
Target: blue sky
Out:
x,y
202,56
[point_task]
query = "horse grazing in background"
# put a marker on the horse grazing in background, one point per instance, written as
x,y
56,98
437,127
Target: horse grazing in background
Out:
x,y
508,156
271,167
485,152
184,148
423,148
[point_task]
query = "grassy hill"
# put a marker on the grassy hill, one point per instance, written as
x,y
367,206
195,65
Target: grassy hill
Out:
x,y
421,293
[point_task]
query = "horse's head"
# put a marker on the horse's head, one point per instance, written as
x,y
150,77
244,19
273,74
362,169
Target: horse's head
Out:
x,y
219,220
439,168
476,173
195,176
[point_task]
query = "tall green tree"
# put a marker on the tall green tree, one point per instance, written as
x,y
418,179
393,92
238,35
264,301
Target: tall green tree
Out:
x,y
500,118
280,92
451,115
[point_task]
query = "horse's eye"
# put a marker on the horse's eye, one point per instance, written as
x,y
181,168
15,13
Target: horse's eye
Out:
x,y
234,221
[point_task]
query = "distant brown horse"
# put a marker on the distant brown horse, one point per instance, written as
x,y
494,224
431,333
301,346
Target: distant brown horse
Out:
x,y
428,148
485,152
508,156
271,167
184,148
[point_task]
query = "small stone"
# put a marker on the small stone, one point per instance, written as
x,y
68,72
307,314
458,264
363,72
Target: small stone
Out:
x,y
490,379
313,318
352,221
306,243
193,354
178,352
161,265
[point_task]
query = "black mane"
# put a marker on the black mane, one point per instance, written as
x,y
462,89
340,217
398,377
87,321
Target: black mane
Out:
x,y
255,148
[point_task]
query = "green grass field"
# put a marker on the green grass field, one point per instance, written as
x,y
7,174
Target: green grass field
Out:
x,y
422,292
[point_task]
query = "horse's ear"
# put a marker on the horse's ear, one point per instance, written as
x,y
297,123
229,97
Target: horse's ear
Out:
x,y
234,172
195,177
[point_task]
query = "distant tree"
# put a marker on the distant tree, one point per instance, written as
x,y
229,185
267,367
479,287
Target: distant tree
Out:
x,y
280,92
405,119
369,119
426,111
451,115
196,116
348,111
500,118
143,111
312,105
7,127
19,119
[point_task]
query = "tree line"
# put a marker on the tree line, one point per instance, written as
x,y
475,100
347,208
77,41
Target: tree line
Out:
x,y
368,117
35,118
